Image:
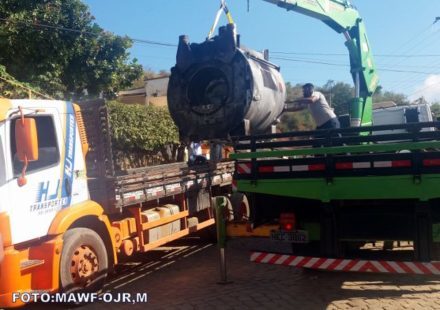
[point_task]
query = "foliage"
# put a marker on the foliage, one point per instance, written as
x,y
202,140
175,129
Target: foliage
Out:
x,y
293,92
399,99
292,121
140,127
435,109
11,88
338,95
37,49
149,74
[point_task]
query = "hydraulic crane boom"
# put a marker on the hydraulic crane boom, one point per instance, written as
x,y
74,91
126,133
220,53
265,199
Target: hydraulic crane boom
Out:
x,y
342,17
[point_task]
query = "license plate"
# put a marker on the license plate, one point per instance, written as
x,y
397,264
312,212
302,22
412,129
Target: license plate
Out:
x,y
296,236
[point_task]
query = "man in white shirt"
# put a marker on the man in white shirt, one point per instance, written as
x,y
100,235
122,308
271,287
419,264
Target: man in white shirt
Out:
x,y
318,106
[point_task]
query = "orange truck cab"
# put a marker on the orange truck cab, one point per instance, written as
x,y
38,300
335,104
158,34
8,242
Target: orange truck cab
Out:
x,y
63,224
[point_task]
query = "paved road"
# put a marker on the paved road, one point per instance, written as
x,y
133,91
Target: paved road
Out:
x,y
184,276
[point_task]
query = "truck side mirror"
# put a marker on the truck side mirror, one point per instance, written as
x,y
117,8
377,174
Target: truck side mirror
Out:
x,y
26,141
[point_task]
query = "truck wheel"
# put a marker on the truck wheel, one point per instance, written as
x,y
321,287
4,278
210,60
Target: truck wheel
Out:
x,y
229,210
84,261
240,205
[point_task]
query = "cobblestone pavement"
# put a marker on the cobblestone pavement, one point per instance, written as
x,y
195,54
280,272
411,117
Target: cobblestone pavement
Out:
x,y
185,275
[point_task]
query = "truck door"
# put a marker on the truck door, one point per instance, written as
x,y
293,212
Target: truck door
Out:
x,y
4,195
34,205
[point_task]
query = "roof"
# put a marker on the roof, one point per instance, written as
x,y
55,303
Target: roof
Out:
x,y
155,87
384,104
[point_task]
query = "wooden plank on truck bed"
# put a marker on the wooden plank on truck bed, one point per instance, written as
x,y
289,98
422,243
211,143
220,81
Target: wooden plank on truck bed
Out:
x,y
144,187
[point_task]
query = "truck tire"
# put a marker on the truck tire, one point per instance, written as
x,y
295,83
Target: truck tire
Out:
x,y
84,261
209,234
229,210
240,206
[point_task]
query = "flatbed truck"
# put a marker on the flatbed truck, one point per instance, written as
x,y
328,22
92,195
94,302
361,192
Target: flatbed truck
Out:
x,y
66,215
331,191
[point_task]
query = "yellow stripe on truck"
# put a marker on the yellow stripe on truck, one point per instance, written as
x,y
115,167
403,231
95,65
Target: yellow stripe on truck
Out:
x,y
67,216
5,106
5,229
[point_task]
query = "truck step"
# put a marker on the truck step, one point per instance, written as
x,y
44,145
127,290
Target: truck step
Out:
x,y
31,263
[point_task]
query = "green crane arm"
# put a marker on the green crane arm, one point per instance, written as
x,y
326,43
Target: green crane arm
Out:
x,y
342,17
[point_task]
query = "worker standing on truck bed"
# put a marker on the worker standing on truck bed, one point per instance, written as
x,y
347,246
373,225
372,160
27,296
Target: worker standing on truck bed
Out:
x,y
318,106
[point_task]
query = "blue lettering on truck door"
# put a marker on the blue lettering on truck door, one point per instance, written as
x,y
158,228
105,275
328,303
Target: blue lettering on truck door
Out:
x,y
69,154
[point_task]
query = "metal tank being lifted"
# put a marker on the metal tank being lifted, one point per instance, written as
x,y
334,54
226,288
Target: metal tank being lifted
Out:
x,y
218,89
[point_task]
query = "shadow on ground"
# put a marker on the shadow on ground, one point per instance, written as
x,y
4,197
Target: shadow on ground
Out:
x,y
184,275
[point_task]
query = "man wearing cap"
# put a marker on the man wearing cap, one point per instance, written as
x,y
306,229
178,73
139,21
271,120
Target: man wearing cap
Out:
x,y
315,101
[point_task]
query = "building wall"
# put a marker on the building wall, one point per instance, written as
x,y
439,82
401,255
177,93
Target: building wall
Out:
x,y
154,93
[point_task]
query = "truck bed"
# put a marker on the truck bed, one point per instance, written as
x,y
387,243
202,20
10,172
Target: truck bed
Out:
x,y
118,189
156,182
403,161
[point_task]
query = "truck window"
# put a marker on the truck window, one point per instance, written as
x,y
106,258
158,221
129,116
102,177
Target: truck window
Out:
x,y
47,146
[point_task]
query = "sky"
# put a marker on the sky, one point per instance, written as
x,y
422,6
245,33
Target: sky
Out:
x,y
402,35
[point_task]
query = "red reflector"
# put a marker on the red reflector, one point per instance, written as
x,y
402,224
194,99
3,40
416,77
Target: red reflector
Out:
x,y
265,169
288,226
431,162
317,167
287,221
400,163
344,166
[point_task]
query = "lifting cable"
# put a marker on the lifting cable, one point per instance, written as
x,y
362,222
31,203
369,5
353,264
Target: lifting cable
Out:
x,y
223,8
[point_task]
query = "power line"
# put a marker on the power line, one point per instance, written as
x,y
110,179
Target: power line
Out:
x,y
418,45
424,88
342,54
151,42
342,65
311,61
35,24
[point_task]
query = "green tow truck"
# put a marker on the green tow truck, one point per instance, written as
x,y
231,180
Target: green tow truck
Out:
x,y
332,191
344,189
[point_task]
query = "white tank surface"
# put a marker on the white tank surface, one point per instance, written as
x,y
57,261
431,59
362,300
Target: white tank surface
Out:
x,y
218,89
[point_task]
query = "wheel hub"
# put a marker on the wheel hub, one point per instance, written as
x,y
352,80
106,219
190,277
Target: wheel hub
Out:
x,y
84,265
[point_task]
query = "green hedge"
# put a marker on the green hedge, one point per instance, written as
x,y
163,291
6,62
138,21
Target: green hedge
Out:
x,y
141,128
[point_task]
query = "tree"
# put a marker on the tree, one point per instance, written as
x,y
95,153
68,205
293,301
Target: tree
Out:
x,y
397,98
11,88
341,94
435,109
55,46
149,74
292,121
